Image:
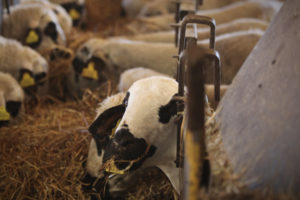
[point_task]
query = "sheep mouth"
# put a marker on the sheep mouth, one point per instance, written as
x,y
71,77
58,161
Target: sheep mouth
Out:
x,y
119,159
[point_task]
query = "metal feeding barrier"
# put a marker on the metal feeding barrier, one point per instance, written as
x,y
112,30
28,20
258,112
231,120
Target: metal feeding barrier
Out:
x,y
192,61
180,12
185,41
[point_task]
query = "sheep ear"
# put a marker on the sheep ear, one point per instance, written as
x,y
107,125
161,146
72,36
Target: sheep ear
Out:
x,y
33,37
102,127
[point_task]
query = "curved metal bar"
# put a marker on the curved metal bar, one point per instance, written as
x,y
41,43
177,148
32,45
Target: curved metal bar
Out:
x,y
198,19
213,54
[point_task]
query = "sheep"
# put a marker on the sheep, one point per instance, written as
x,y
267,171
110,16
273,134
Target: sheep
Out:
x,y
33,25
26,65
11,99
64,18
75,8
154,107
119,55
234,49
264,10
135,8
204,33
148,100
128,77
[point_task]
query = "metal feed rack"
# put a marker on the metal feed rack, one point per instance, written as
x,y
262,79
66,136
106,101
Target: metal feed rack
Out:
x,y
191,64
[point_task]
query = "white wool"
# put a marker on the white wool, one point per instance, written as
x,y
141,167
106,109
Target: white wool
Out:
x,y
128,77
24,16
242,24
10,88
14,56
234,49
64,19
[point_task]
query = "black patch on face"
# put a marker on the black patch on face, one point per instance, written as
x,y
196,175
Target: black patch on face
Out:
x,y
51,31
167,111
37,43
13,107
39,78
77,7
125,147
101,128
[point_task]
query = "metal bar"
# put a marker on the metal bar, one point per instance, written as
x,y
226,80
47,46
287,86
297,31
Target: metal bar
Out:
x,y
195,132
198,19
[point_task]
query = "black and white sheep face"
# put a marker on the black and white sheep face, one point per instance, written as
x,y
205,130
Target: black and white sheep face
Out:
x,y
34,25
140,132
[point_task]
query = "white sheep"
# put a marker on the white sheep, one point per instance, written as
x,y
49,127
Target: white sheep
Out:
x,y
11,99
119,55
26,65
64,18
75,8
242,24
146,128
264,10
33,25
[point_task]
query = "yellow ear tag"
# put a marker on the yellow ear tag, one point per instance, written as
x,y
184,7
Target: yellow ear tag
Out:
x,y
111,167
113,131
74,14
4,115
32,37
27,80
90,71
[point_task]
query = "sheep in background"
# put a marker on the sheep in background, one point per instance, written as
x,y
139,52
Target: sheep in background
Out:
x,y
131,137
234,49
264,10
242,24
64,18
11,99
33,25
128,77
23,63
119,55
135,8
75,8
